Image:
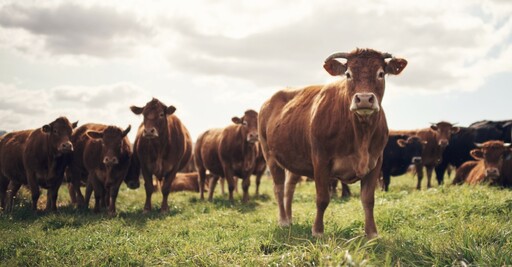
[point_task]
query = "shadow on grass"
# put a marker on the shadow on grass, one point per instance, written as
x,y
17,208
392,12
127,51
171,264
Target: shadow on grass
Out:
x,y
71,217
221,202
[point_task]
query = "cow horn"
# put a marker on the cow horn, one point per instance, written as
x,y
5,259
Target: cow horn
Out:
x,y
387,55
337,55
506,144
479,145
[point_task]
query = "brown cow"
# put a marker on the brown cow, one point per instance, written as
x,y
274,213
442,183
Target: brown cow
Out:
x,y
228,152
38,158
337,130
77,172
103,154
437,139
187,181
12,171
492,164
260,168
162,148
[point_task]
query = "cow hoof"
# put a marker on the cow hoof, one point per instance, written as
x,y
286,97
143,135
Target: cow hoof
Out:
x,y
317,234
112,214
146,211
371,236
284,223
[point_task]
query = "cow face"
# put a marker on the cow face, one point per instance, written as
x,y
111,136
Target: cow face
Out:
x,y
111,143
249,125
492,153
59,133
155,117
413,147
365,71
444,131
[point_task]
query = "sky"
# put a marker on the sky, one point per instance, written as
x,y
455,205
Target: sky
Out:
x,y
214,59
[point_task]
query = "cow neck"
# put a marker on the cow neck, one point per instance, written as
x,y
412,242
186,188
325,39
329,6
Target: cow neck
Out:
x,y
437,149
162,141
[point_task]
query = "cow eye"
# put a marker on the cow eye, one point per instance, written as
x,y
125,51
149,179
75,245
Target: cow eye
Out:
x,y
380,75
55,131
162,115
244,123
347,73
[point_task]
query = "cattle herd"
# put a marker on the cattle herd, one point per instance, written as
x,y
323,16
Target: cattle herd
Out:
x,y
330,132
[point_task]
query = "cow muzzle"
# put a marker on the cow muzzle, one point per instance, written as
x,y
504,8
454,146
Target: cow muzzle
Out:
x,y
150,133
66,147
492,172
110,161
252,137
443,143
364,104
416,160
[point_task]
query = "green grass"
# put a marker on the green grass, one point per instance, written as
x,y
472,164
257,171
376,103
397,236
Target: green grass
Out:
x,y
443,226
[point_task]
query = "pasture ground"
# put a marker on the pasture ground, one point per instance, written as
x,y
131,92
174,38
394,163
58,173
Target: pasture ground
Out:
x,y
443,226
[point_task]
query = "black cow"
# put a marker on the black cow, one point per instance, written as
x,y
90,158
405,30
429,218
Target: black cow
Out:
x,y
400,152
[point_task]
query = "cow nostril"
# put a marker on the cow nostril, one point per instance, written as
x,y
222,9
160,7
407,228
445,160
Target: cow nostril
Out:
x,y
358,100
371,99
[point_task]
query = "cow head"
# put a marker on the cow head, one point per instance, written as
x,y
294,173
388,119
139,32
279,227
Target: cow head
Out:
x,y
111,143
249,125
492,153
155,117
365,71
413,147
59,133
444,131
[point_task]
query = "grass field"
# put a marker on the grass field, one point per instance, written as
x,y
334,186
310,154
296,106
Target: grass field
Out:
x,y
443,226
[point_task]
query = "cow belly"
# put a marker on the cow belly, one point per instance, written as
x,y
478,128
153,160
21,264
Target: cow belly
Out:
x,y
352,168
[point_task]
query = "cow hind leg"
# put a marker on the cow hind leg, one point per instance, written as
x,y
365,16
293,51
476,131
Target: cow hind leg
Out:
x,y
12,190
278,175
289,190
34,189
202,181
419,172
213,184
258,182
345,190
4,183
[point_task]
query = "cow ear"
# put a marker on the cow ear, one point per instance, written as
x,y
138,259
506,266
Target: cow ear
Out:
x,y
455,130
401,142
334,67
136,110
127,130
477,154
395,66
236,120
74,124
433,127
94,134
170,110
46,128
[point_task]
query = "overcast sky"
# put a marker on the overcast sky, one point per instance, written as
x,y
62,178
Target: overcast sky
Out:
x,y
212,60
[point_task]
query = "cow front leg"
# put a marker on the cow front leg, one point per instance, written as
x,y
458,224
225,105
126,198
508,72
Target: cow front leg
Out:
x,y
368,184
246,182
231,182
148,186
322,184
166,190
419,172
429,176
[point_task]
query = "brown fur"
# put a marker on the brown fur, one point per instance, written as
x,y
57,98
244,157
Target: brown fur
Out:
x,y
260,168
164,155
463,171
228,153
187,181
312,132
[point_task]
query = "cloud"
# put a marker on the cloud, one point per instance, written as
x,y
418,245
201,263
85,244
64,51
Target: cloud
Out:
x,y
71,29
109,104
444,47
